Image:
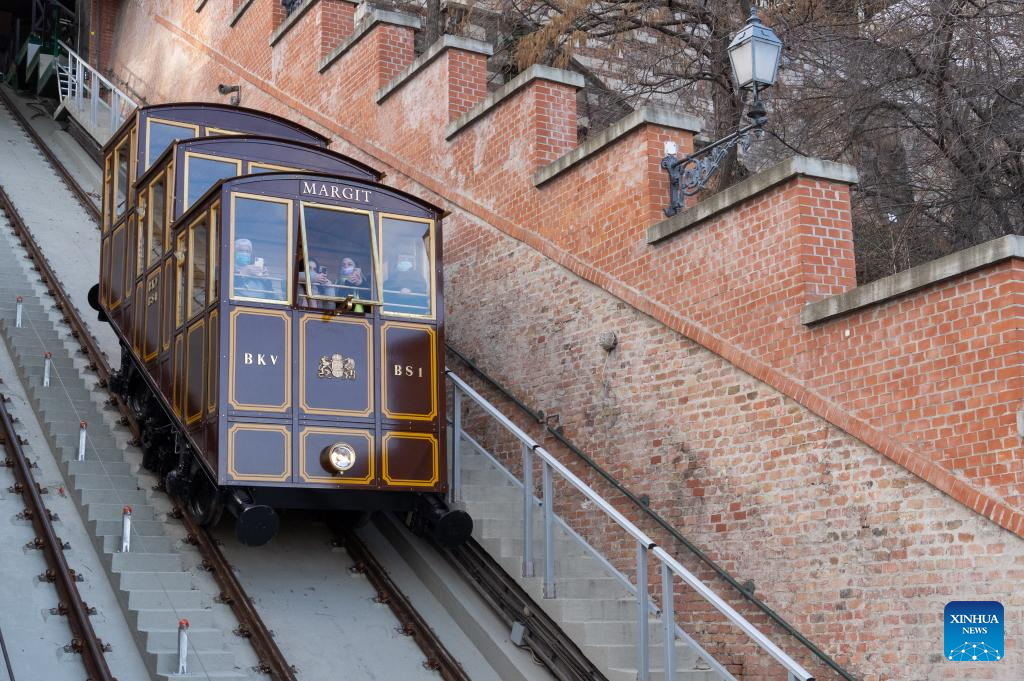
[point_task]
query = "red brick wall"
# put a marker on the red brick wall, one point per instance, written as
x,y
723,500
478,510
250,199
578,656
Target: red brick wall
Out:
x,y
103,18
872,456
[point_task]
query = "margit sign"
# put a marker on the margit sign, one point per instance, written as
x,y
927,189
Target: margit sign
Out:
x,y
973,631
334,191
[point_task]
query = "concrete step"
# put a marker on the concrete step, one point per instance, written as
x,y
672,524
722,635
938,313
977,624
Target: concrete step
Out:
x,y
162,618
171,581
167,599
100,512
658,674
140,544
144,528
144,562
200,662
108,482
166,640
100,467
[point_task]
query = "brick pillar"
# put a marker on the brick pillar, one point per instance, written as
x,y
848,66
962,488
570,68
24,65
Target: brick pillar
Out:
x,y
335,21
825,245
553,106
103,20
467,81
392,51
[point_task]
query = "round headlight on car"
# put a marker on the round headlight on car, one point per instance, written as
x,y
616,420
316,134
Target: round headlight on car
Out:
x,y
338,458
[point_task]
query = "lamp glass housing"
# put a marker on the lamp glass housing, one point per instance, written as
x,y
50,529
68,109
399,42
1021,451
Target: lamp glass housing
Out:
x,y
754,54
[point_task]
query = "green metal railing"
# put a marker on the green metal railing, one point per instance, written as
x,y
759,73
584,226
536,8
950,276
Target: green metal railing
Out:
x,y
642,504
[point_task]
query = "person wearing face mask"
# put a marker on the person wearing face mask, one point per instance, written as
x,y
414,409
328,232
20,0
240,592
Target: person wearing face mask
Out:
x,y
403,277
320,280
351,280
251,273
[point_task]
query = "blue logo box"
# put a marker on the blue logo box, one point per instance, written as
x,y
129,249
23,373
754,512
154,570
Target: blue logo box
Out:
x,y
973,631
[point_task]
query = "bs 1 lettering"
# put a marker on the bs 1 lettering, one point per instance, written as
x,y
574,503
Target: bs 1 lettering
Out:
x,y
408,371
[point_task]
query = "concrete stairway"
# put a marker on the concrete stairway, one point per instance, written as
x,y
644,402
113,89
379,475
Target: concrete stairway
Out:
x,y
152,582
592,605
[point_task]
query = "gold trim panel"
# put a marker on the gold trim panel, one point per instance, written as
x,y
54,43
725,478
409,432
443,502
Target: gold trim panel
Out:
x,y
287,404
303,364
409,436
432,370
330,479
235,427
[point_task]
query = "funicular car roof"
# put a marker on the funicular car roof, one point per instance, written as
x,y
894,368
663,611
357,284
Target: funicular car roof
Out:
x,y
228,140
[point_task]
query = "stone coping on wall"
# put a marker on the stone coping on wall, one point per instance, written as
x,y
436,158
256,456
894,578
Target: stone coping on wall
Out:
x,y
893,286
373,17
444,43
537,71
239,12
290,21
753,185
648,114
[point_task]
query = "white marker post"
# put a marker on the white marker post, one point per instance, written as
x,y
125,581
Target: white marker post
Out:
x,y
182,646
17,314
81,440
46,369
126,530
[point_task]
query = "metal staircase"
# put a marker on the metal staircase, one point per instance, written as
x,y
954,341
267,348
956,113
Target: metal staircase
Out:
x,y
94,102
627,628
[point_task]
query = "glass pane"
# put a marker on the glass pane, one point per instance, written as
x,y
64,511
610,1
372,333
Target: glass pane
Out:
x,y
157,218
179,269
339,245
405,249
108,191
198,252
163,134
213,251
258,168
202,173
121,165
259,253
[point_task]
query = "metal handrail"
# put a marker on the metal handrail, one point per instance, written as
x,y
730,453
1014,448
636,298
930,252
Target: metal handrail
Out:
x,y
85,86
645,545
643,507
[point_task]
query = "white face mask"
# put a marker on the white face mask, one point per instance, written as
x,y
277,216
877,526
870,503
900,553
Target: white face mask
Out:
x,y
404,265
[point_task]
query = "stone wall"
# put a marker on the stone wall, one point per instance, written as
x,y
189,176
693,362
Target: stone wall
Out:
x,y
862,469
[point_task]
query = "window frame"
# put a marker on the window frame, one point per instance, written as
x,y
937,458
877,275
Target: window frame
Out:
x,y
431,276
190,300
209,157
289,253
271,168
211,264
194,127
152,259
212,131
374,250
126,142
180,271
108,192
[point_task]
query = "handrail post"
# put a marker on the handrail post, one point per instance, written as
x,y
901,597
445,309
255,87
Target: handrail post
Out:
x,y
668,621
527,511
93,98
80,86
549,521
457,445
643,671
113,111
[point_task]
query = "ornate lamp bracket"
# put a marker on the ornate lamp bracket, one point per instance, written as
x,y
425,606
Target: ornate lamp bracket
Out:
x,y
691,173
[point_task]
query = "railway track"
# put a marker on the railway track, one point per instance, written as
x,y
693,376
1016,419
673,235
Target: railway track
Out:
x,y
272,660
58,572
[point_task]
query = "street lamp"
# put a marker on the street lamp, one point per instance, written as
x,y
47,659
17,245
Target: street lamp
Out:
x,y
754,54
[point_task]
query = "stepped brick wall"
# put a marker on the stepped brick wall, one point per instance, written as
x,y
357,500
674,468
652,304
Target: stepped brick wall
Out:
x,y
861,468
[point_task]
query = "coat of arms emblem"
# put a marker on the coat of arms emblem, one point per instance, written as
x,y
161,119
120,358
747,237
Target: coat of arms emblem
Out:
x,y
337,366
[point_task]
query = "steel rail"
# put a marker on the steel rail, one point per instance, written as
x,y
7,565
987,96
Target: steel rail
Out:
x,y
413,624
85,640
83,197
272,660
541,635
